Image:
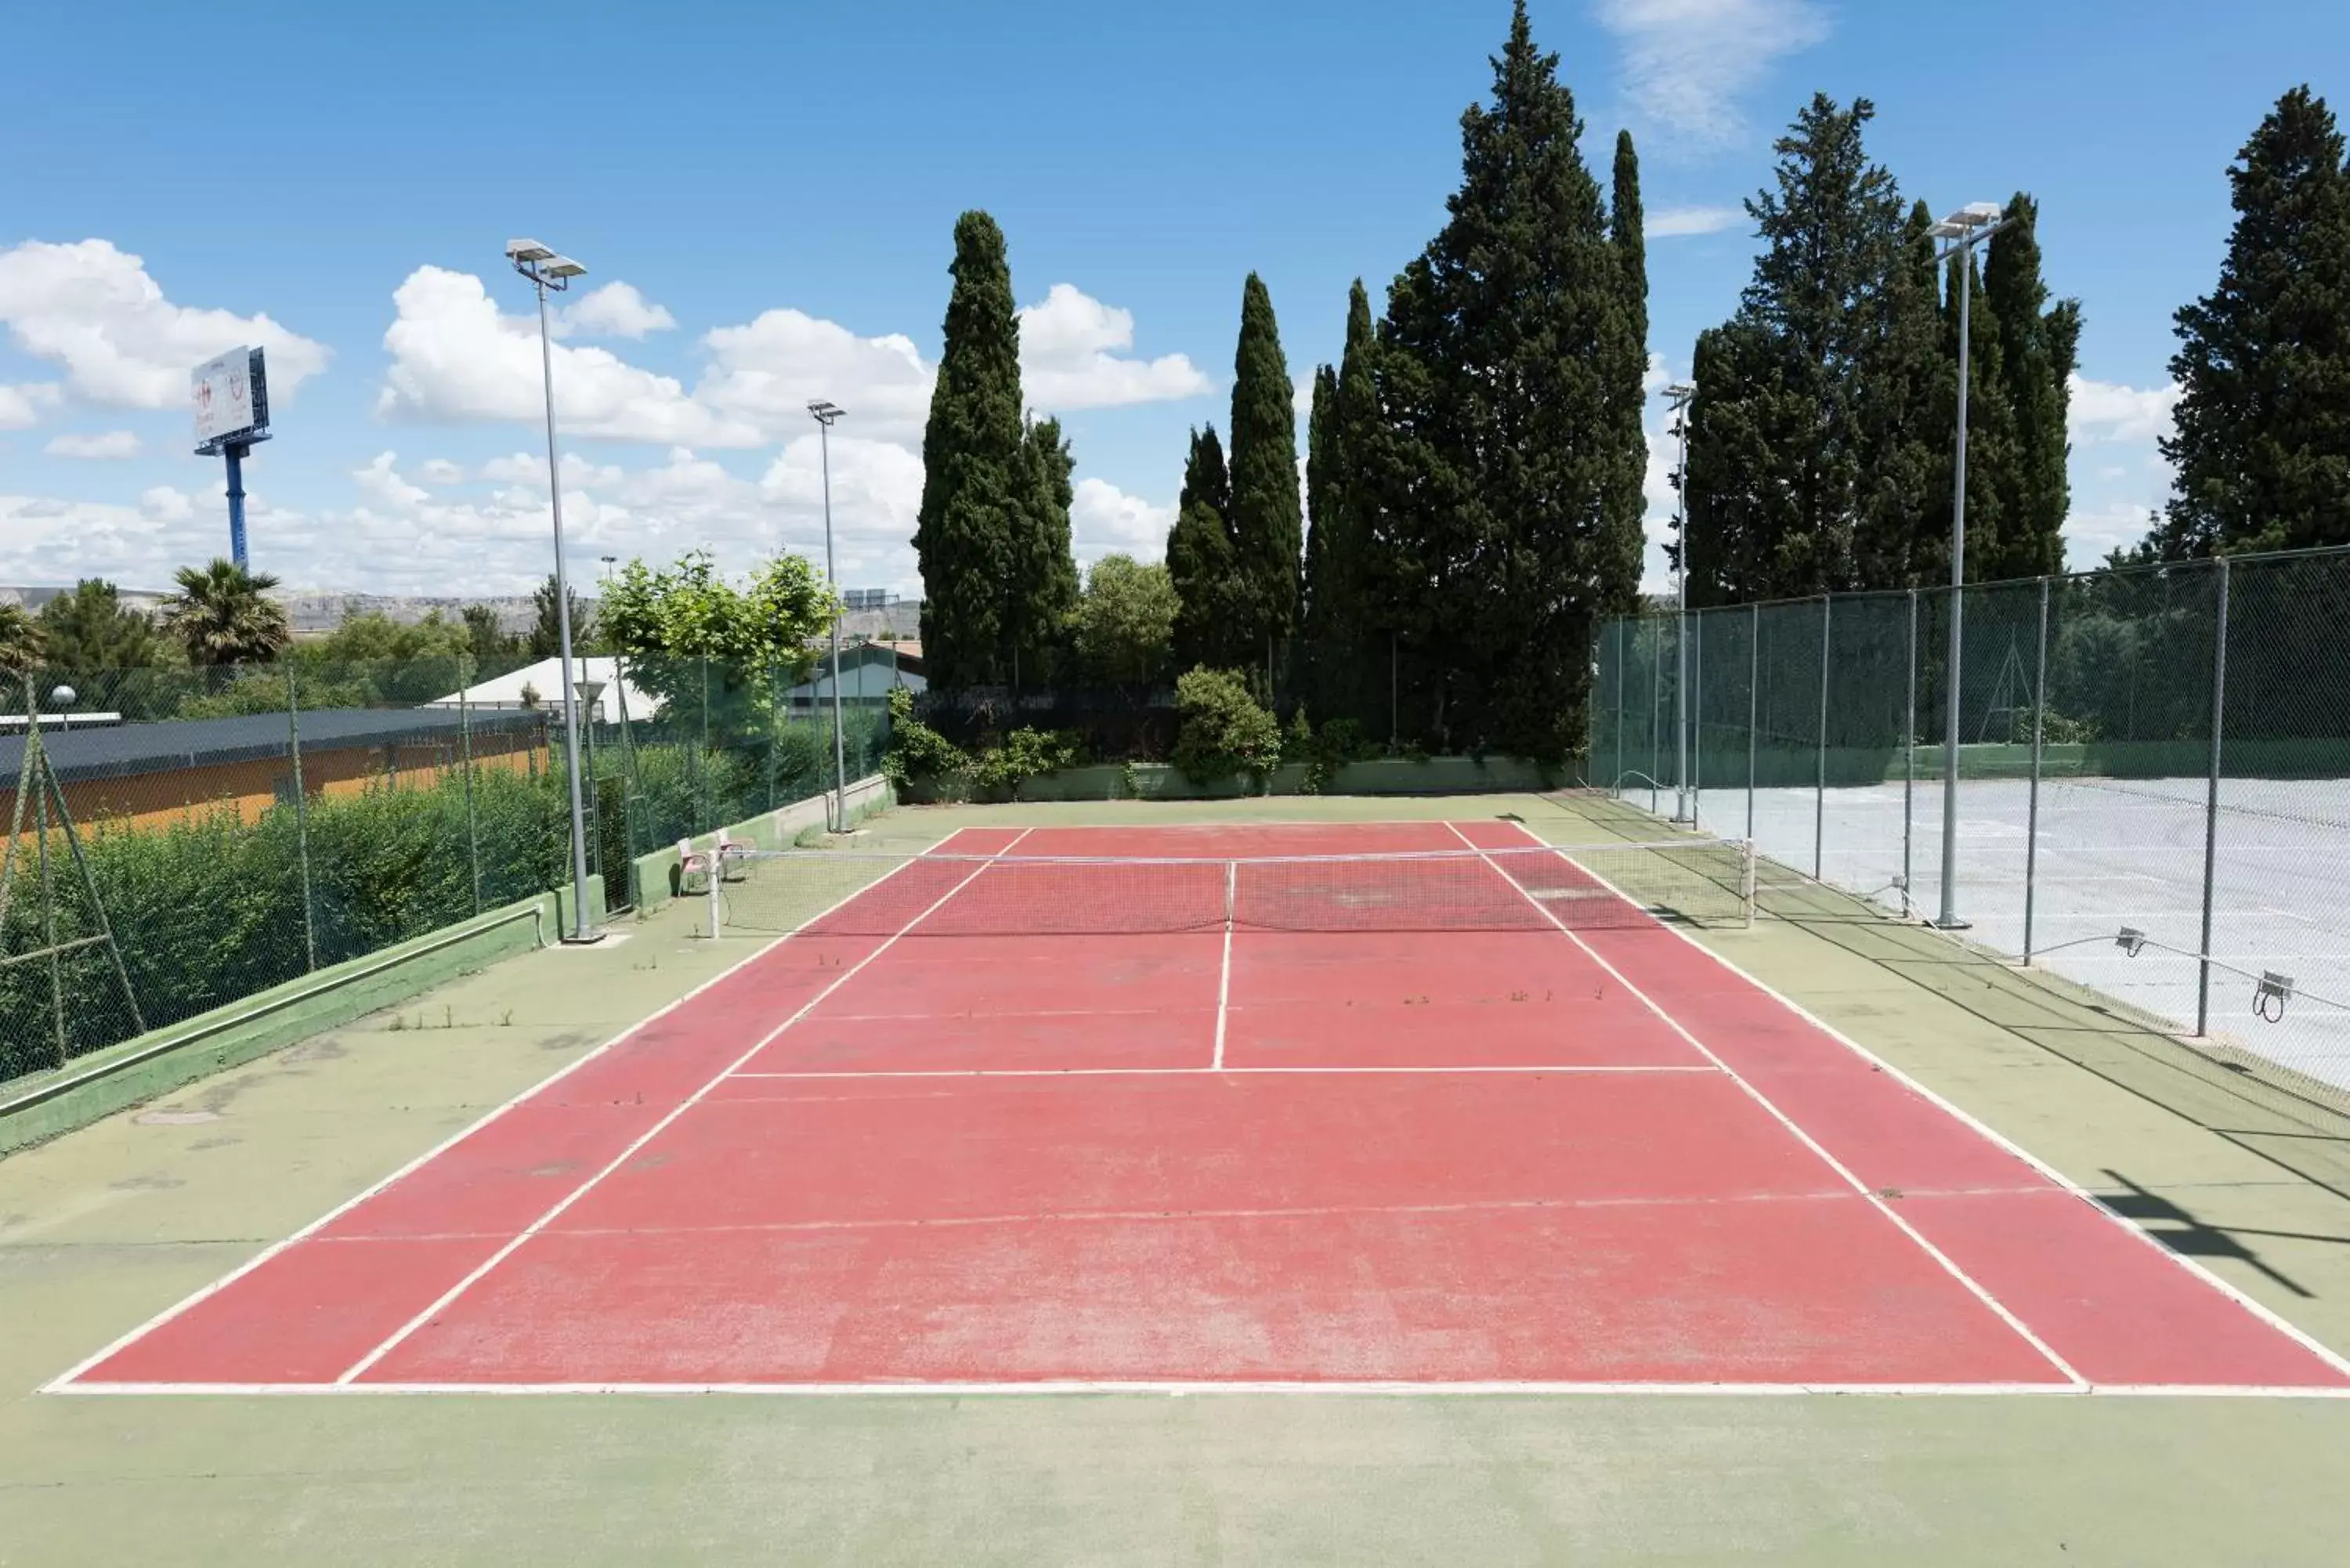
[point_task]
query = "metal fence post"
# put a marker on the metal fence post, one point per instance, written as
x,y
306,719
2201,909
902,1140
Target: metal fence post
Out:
x,y
1753,706
1656,710
1617,783
1696,667
465,756
1820,790
48,889
301,821
1910,761
2211,805
2032,803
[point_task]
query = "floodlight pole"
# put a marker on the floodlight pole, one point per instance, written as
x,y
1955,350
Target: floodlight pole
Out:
x,y
825,413
529,265
1678,397
1964,229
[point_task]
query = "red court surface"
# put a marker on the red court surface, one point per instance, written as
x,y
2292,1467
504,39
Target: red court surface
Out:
x,y
1175,1151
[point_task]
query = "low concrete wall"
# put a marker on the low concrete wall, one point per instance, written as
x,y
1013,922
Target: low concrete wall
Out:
x,y
774,829
1384,775
103,1081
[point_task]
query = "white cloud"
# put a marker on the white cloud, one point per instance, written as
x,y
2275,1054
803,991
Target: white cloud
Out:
x,y
166,504
455,357
616,310
767,372
382,483
526,468
1068,359
2091,533
1670,222
1300,396
441,470
109,445
94,310
2108,412
1105,520
1685,62
21,406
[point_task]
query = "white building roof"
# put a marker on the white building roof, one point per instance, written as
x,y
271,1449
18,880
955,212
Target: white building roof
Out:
x,y
544,679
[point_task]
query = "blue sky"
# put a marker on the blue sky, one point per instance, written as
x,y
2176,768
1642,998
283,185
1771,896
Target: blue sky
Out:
x,y
765,197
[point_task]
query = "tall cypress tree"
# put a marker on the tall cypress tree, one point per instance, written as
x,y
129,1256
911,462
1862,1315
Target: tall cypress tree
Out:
x,y
2037,346
1503,441
1354,576
1901,539
1993,550
1264,521
1623,537
1041,587
1803,350
1200,558
973,498
2261,442
1325,477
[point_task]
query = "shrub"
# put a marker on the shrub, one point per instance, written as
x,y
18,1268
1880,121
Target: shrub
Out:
x,y
1027,753
915,751
1225,731
1323,751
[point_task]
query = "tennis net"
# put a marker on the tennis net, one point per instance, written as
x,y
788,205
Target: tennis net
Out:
x,y
1700,881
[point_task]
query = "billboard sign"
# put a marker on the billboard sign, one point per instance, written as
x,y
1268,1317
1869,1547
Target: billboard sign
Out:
x,y
230,397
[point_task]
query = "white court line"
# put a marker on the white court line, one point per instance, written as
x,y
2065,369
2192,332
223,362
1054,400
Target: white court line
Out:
x,y
1587,1068
449,1297
2259,1310
1224,979
58,1383
1358,1389
2023,1330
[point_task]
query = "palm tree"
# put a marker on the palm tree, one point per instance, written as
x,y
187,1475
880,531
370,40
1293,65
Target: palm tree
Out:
x,y
223,614
20,640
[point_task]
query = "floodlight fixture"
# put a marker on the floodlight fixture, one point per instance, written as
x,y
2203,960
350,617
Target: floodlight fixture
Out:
x,y
825,411
561,267
520,251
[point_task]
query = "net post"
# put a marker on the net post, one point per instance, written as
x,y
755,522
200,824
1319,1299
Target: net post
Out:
x,y
2032,806
1232,890
2211,805
717,870
1746,858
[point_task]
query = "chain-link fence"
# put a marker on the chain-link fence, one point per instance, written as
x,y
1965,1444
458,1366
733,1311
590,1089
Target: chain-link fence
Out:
x,y
184,837
2152,775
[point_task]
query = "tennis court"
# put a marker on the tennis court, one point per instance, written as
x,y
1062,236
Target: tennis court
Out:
x,y
1231,1106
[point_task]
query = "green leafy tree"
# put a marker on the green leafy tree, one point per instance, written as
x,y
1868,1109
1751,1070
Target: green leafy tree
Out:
x,y
1781,443
2038,345
223,614
485,638
1264,521
709,650
1624,535
545,638
1041,587
1504,431
1126,621
1202,565
974,500
2261,442
90,629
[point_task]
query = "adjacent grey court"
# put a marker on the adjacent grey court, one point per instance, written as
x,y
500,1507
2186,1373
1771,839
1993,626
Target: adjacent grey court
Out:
x,y
2112,853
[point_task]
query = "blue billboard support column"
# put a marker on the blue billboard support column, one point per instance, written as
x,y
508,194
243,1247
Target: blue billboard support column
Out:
x,y
235,455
